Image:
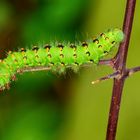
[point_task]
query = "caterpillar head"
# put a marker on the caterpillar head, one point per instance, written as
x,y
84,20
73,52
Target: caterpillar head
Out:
x,y
116,35
109,39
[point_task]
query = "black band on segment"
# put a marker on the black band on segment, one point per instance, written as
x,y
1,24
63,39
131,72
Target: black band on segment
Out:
x,y
52,63
62,55
91,60
102,35
35,48
100,46
76,63
62,63
75,55
60,45
96,41
105,51
73,46
47,46
88,53
84,44
107,38
22,50
113,42
24,57
49,55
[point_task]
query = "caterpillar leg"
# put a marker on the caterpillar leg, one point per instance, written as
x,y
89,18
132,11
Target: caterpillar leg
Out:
x,y
75,67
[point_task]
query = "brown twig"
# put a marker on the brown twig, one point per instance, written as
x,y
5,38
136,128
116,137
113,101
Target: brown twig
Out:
x,y
108,62
33,69
120,65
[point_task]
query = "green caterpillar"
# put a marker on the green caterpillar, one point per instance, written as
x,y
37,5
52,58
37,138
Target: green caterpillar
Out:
x,y
60,56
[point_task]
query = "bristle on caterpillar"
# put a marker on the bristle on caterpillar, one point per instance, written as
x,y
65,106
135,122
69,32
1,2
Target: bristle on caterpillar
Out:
x,y
58,57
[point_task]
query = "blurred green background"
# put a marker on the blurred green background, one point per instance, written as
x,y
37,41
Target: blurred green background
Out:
x,y
45,106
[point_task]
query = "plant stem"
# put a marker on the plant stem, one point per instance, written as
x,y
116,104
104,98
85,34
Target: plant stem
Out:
x,y
120,65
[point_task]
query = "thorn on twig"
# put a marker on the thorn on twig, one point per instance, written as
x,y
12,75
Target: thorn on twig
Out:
x,y
133,70
110,76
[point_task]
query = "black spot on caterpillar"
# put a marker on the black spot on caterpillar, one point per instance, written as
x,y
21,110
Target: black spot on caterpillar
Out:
x,y
59,56
35,48
84,44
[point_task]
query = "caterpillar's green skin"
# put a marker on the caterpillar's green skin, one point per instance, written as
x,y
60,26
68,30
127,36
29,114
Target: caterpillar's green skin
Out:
x,y
59,57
